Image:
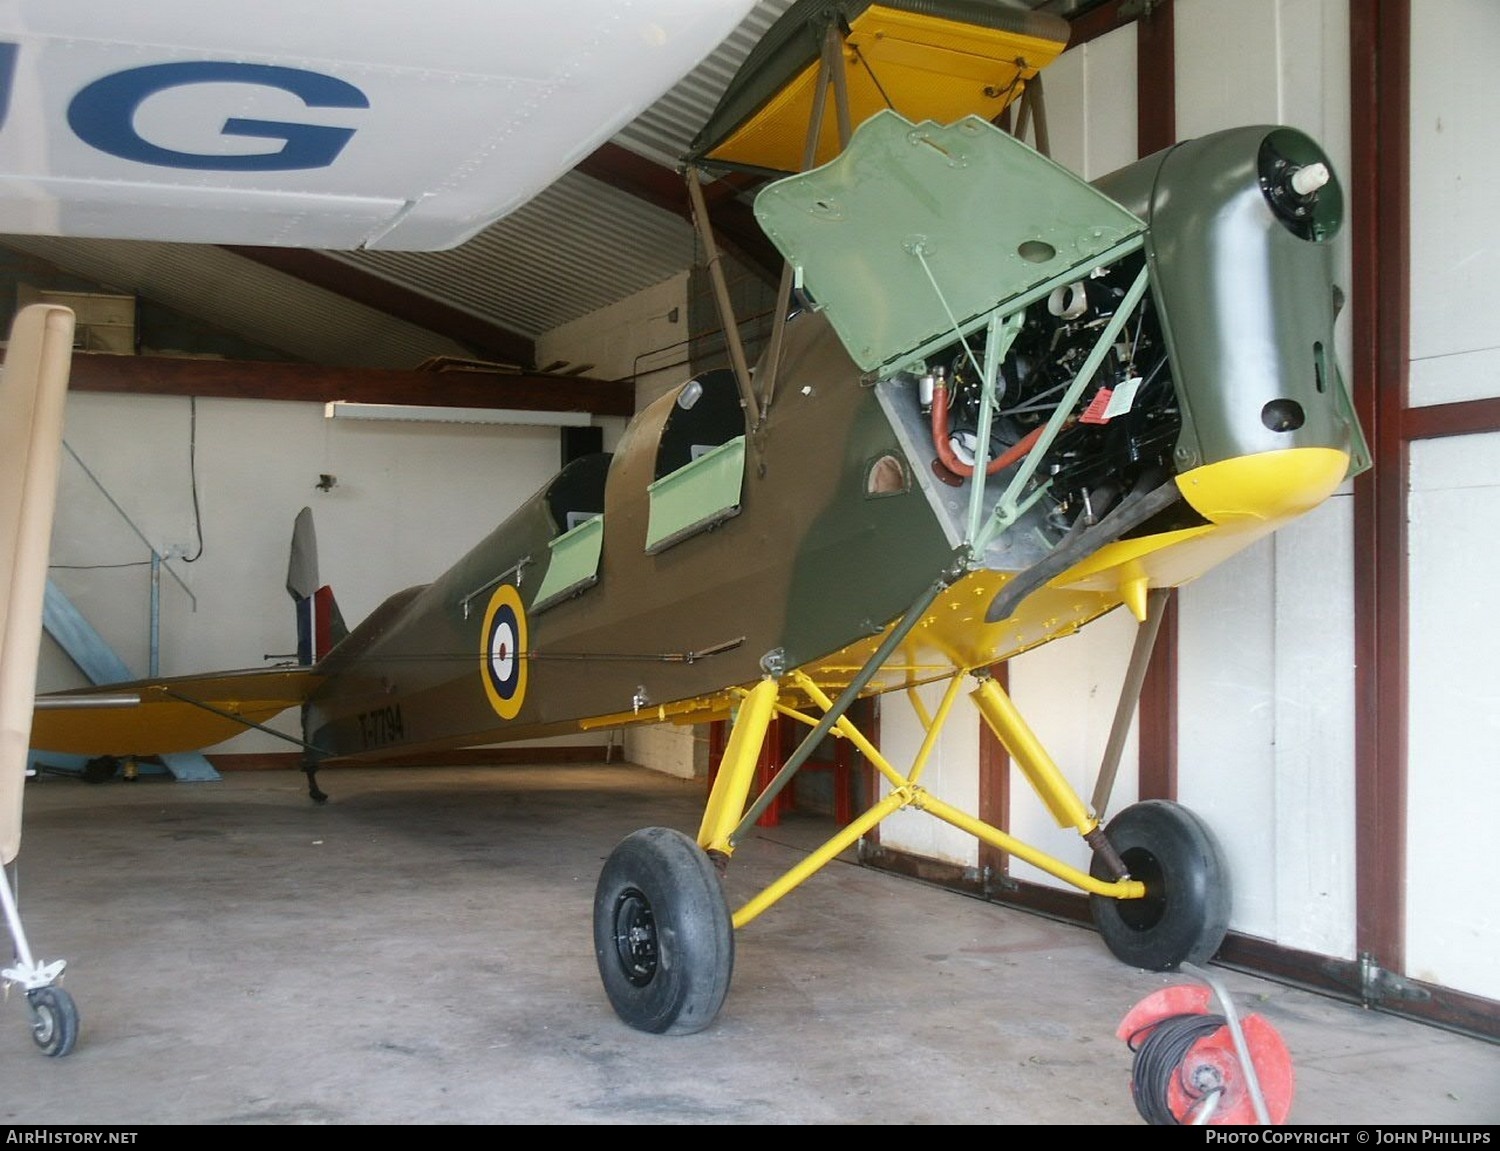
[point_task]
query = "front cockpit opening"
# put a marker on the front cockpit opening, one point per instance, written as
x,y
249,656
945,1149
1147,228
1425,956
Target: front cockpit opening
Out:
x,y
700,462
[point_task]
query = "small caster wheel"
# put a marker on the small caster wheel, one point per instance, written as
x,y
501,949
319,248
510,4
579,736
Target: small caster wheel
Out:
x,y
54,1026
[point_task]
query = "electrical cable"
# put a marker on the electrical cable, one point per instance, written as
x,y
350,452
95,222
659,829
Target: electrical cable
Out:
x,y
1159,1052
193,476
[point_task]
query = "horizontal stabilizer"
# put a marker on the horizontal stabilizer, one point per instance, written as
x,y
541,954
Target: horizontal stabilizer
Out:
x,y
161,716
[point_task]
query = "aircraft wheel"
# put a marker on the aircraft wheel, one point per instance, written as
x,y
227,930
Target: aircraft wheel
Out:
x,y
1184,914
55,1026
662,933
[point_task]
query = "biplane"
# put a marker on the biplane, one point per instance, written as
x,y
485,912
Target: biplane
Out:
x,y
998,402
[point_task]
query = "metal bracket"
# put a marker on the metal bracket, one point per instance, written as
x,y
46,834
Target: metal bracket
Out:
x,y
26,970
1377,985
518,569
774,662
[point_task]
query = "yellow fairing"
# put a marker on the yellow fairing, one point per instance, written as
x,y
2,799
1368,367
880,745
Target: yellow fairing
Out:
x,y
1268,486
925,67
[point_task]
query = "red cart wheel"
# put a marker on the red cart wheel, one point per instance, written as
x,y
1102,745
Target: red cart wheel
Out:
x,y
1187,1071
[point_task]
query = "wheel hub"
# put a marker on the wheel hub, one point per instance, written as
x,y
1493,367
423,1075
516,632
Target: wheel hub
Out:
x,y
44,1026
635,937
1146,912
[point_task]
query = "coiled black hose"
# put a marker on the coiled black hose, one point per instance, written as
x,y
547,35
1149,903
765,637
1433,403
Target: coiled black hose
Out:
x,y
1159,1051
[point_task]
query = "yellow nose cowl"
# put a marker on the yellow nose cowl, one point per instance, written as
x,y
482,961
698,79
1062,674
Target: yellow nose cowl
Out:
x,y
1266,486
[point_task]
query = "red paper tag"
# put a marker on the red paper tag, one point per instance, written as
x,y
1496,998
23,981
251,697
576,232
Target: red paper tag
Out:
x,y
1095,412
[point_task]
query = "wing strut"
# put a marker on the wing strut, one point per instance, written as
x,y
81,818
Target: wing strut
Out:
x,y
831,72
312,756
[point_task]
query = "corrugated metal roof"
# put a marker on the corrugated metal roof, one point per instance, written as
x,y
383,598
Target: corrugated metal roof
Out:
x,y
663,132
579,246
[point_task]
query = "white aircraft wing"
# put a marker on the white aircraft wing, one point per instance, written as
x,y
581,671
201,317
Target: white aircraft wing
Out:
x,y
341,124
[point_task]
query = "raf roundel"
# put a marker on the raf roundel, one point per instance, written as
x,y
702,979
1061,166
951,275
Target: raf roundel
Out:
x,y
502,652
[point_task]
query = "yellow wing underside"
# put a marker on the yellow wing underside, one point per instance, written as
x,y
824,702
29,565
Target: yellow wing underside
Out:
x,y
926,67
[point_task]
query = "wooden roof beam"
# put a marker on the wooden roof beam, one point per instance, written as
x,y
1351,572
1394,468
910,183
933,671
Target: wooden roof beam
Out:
x,y
313,383
486,340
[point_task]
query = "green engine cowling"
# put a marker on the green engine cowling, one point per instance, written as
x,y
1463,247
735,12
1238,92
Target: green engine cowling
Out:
x,y
1240,225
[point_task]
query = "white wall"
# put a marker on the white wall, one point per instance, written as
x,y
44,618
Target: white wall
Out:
x,y
1266,728
1452,917
1067,691
1266,664
642,339
1452,927
1091,104
1455,165
951,773
409,500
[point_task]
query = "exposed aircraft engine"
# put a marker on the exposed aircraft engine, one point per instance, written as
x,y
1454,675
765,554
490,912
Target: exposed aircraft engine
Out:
x,y
1127,422
1228,355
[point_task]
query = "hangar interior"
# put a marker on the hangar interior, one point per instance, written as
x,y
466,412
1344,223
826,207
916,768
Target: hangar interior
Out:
x,y
1320,699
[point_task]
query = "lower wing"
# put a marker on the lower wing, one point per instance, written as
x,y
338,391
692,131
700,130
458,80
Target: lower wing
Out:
x,y
162,716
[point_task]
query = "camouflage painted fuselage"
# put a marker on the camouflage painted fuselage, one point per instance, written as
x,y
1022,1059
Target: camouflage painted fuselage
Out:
x,y
808,562
839,512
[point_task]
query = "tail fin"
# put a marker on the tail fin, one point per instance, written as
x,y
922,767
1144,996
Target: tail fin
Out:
x,y
320,624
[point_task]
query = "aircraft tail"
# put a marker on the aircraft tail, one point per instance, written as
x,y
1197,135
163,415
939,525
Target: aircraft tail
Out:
x,y
320,624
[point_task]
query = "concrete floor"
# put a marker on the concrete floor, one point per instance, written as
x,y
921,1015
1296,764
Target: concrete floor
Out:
x,y
419,951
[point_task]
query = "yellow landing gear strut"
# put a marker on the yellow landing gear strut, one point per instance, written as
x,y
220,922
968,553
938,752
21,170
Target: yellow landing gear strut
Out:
x,y
664,935
723,826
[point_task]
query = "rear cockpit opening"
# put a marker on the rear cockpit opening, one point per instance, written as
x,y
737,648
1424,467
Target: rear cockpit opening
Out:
x,y
576,494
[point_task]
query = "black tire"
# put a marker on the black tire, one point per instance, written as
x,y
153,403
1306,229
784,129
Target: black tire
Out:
x,y
662,933
55,1027
1184,914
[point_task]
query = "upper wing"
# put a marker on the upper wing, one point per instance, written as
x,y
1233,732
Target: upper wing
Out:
x,y
162,716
